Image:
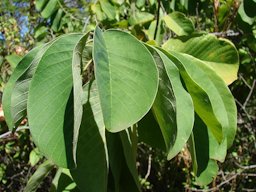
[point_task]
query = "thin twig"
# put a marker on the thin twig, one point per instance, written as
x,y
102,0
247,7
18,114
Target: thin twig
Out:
x,y
250,94
245,82
249,190
245,167
242,107
69,14
218,186
157,18
216,5
197,17
232,176
149,167
7,134
86,21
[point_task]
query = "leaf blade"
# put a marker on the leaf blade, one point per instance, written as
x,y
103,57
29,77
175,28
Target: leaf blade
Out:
x,y
49,102
118,71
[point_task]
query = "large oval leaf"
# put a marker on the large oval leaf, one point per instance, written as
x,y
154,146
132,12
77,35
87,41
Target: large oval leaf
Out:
x,y
92,158
207,98
53,115
126,76
173,106
220,54
19,70
221,99
20,91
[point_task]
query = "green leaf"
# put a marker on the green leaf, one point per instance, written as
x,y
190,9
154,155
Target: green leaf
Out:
x,y
179,23
13,60
149,132
220,54
41,32
34,157
56,24
40,174
54,113
123,176
40,4
119,2
216,151
207,176
20,90
92,160
204,167
160,32
63,182
19,70
130,154
108,9
139,18
49,8
173,106
126,76
96,9
140,3
206,99
221,98
243,11
249,8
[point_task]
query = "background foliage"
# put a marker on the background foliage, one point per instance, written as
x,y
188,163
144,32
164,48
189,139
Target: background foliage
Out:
x,y
25,24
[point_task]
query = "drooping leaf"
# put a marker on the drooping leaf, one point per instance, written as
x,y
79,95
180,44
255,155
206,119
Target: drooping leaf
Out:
x,y
19,70
20,90
129,150
216,151
138,18
179,23
207,176
204,168
221,99
54,113
207,102
123,176
77,87
220,54
40,174
126,76
92,160
173,106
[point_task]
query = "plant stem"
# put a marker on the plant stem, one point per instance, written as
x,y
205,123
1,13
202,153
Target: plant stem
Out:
x,y
7,134
157,18
134,140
